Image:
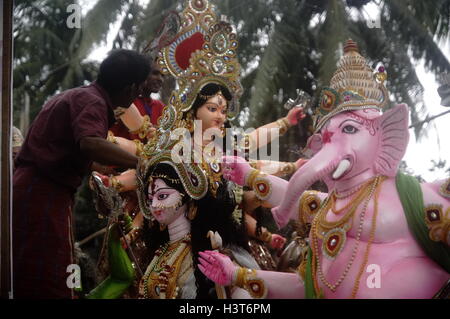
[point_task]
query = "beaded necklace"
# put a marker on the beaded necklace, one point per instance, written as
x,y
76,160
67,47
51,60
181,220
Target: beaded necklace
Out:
x,y
167,269
327,240
369,243
349,192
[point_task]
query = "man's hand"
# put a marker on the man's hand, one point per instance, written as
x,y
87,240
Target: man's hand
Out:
x,y
103,169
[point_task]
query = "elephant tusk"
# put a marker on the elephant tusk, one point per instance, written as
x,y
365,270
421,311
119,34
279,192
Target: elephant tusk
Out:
x,y
341,169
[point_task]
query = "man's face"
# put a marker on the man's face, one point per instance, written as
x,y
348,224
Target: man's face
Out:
x,y
124,98
154,81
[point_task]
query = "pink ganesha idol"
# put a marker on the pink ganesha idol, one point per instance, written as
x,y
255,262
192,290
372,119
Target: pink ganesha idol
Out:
x,y
377,233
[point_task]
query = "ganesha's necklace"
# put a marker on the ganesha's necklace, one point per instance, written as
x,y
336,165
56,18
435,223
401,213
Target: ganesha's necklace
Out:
x,y
331,248
333,233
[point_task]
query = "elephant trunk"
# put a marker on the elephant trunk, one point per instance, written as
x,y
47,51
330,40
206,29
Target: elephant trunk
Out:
x,y
319,167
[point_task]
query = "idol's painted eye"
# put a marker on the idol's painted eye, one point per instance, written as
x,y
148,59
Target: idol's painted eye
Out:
x,y
162,196
212,109
349,129
224,111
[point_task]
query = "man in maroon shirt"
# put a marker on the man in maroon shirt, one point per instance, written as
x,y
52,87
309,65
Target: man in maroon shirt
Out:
x,y
145,104
67,135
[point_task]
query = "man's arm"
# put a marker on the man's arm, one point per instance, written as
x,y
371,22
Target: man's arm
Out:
x,y
104,152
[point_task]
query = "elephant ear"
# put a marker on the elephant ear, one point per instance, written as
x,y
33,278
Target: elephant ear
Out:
x,y
393,139
313,145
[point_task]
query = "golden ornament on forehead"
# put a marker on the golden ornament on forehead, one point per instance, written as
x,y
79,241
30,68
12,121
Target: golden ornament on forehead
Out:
x,y
207,97
164,176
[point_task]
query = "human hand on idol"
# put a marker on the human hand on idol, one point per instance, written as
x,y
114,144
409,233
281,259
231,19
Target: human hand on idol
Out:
x,y
217,267
235,169
103,169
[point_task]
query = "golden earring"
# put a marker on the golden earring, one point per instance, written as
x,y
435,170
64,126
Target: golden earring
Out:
x,y
192,211
190,122
162,227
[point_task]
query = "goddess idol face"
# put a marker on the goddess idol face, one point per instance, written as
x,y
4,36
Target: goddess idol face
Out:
x,y
165,202
213,113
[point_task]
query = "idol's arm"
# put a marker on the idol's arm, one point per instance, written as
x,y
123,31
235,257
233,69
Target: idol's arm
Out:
x,y
137,124
258,283
265,134
280,169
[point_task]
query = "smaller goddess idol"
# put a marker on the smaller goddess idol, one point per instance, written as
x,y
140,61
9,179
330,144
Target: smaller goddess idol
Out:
x,y
176,228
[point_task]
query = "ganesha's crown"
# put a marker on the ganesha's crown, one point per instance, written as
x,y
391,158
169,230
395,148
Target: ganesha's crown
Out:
x,y
354,86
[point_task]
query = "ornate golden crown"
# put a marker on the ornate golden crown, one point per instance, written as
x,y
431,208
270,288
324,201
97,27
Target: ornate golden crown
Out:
x,y
204,51
354,86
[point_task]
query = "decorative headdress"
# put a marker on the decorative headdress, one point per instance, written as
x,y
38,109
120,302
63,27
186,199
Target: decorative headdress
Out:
x,y
191,176
354,86
204,51
165,35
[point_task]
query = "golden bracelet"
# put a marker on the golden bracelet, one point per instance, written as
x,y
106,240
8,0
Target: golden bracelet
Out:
x,y
111,138
240,276
116,184
266,236
253,164
139,147
283,125
252,176
247,279
288,168
144,129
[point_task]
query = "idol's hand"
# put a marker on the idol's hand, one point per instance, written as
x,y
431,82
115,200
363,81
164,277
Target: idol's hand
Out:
x,y
295,115
217,267
300,162
235,169
277,241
